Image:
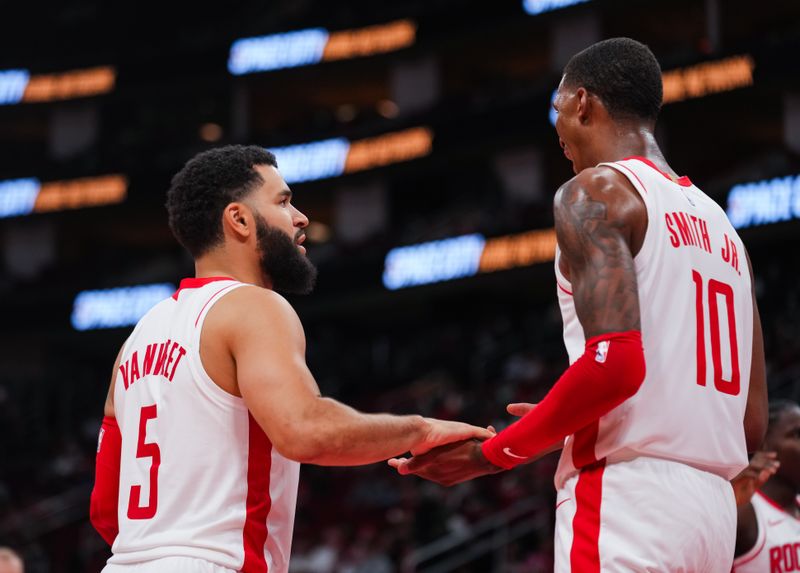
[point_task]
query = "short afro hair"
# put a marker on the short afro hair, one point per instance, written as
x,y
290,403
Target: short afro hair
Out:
x,y
205,186
623,73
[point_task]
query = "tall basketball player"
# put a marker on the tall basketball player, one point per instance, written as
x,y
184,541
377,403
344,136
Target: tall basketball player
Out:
x,y
211,404
666,390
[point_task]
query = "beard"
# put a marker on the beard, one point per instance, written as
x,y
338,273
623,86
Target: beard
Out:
x,y
289,270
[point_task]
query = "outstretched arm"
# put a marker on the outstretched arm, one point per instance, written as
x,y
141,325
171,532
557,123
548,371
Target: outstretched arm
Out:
x,y
598,215
267,344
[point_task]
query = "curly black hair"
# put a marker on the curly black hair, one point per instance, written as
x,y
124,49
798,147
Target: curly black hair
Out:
x,y
623,73
205,186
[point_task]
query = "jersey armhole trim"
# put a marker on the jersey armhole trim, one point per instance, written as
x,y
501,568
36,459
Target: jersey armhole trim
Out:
x,y
643,257
203,380
561,281
758,547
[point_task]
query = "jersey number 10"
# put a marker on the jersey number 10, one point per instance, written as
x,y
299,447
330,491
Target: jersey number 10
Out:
x,y
716,289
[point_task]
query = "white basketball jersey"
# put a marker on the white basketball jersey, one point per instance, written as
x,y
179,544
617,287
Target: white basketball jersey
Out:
x,y
198,476
777,548
697,329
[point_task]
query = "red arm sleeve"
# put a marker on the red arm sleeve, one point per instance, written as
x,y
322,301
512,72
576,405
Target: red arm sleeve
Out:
x,y
105,495
610,371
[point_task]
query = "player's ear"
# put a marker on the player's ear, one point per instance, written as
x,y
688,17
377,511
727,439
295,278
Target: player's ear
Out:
x,y
237,219
585,102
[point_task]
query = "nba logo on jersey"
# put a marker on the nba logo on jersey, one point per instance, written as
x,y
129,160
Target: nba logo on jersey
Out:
x,y
602,351
100,438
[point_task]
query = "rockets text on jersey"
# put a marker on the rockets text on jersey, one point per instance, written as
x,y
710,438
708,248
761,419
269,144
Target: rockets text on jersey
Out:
x,y
777,547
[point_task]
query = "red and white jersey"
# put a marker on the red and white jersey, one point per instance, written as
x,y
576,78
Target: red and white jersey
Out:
x,y
697,329
777,548
198,476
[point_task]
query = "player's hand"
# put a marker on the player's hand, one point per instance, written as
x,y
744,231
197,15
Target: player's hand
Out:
x,y
449,464
442,432
519,409
762,467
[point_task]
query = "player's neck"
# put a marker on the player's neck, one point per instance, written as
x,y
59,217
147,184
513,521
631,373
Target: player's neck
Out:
x,y
221,266
782,493
633,140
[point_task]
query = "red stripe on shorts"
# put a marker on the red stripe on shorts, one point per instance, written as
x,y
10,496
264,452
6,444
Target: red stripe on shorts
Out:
x,y
584,557
259,462
583,445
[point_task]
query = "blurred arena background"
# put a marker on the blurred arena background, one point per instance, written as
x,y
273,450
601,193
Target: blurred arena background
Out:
x,y
417,136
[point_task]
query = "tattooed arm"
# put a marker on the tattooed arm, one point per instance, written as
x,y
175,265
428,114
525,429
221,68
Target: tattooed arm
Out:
x,y
600,223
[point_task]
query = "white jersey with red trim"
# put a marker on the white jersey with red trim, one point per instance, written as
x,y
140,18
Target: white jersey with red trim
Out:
x,y
697,330
777,547
198,476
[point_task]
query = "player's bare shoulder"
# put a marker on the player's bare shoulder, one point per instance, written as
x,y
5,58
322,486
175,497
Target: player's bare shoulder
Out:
x,y
596,218
596,198
599,192
254,311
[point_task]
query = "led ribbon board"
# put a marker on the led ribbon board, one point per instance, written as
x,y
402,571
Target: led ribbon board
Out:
x,y
536,7
29,195
116,307
19,86
465,256
315,45
708,78
764,202
339,156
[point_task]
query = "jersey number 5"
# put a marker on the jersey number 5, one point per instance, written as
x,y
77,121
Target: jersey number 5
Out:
x,y
145,450
715,290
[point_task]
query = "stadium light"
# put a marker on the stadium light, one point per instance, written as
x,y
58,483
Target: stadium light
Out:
x,y
536,7
764,202
315,45
465,256
339,156
29,195
116,307
19,86
708,78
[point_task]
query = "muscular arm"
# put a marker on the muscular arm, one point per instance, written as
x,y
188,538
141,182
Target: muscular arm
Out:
x,y
757,409
267,343
597,217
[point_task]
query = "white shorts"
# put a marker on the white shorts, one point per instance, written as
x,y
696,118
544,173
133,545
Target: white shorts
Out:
x,y
645,515
168,565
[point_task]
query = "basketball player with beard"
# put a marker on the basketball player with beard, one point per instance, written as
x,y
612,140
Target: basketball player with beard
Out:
x,y
211,405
